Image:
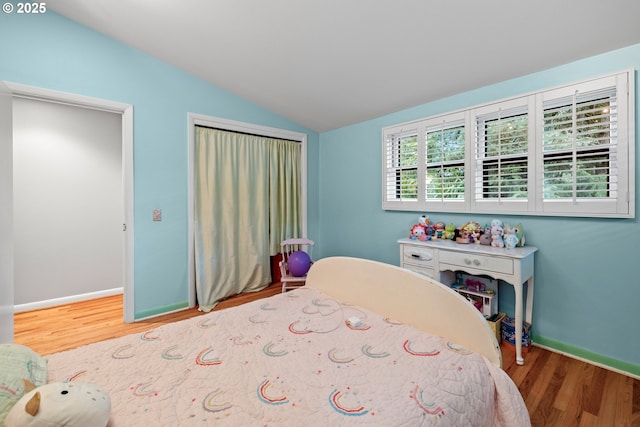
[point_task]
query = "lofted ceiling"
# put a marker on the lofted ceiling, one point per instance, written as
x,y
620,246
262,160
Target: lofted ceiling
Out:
x,y
330,63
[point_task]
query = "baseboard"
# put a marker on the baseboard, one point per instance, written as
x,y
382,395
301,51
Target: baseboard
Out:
x,y
624,368
167,309
66,300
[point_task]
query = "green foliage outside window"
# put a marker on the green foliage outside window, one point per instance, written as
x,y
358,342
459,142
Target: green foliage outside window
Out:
x,y
505,166
578,147
445,163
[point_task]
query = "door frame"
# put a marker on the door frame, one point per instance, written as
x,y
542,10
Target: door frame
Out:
x,y
126,111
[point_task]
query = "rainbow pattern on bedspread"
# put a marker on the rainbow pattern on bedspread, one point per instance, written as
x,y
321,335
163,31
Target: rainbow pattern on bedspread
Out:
x,y
299,358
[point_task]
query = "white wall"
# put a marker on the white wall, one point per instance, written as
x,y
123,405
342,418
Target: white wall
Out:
x,y
68,201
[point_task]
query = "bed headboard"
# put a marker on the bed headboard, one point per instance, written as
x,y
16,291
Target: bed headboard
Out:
x,y
407,297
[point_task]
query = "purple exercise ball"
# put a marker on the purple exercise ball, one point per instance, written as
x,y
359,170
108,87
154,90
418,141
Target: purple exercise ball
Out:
x,y
299,263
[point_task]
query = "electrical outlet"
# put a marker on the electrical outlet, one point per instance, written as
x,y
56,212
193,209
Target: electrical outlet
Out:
x,y
157,215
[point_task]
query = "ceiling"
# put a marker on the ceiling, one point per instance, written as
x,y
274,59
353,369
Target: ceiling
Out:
x,y
330,63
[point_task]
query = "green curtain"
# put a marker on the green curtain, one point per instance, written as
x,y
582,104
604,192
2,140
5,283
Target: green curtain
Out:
x,y
285,193
246,198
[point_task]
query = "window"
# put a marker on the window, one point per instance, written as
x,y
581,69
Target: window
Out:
x,y
584,148
502,156
562,151
445,147
445,161
401,164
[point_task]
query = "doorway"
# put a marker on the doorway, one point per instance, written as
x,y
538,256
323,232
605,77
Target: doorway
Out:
x,y
125,112
68,203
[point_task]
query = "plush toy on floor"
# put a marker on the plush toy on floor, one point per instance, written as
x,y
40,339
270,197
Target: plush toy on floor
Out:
x,y
69,404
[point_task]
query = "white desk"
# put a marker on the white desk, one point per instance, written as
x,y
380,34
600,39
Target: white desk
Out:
x,y
440,259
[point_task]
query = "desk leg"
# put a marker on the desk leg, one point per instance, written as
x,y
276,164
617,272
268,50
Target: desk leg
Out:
x,y
518,326
529,300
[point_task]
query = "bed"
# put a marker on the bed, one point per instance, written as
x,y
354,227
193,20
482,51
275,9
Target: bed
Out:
x,y
362,344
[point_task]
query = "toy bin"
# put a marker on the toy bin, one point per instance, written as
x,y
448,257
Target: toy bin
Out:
x,y
495,322
508,330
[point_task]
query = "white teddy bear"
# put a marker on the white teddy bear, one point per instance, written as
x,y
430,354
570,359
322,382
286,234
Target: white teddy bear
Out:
x,y
69,404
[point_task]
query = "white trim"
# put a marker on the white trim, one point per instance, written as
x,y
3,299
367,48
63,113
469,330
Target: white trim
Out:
x,y
6,216
41,94
195,119
126,110
66,300
127,178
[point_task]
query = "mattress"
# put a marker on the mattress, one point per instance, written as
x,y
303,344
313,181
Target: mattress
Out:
x,y
299,358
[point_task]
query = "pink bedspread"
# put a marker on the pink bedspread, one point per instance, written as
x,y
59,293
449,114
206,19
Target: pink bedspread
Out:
x,y
293,360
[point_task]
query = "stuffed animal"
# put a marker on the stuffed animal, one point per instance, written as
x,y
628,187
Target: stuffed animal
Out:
x,y
497,226
470,231
71,404
510,239
497,241
497,233
429,232
418,232
449,231
438,230
519,232
485,237
513,236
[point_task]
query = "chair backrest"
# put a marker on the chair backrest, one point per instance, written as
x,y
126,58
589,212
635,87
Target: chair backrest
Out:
x,y
297,241
294,244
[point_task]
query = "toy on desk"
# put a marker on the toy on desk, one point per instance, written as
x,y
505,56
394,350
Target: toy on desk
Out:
x,y
449,231
519,232
426,222
485,237
510,239
469,232
497,241
497,233
418,232
438,230
430,233
497,224
423,230
513,236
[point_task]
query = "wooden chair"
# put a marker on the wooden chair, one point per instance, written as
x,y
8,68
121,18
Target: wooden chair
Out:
x,y
287,247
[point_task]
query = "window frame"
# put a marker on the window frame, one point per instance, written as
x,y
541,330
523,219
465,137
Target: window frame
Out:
x,y
621,155
399,203
520,105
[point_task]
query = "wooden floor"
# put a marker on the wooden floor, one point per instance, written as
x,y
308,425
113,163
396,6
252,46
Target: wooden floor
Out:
x,y
558,390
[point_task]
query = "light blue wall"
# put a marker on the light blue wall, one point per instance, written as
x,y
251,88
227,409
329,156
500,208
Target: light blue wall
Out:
x,y
52,52
586,275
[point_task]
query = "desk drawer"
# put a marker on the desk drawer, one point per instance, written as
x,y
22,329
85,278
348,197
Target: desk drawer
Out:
x,y
420,269
417,256
478,262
